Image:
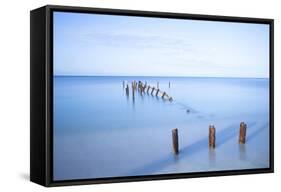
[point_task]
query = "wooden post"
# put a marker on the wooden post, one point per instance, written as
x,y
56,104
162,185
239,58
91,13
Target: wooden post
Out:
x,y
212,136
163,94
143,88
157,92
157,85
148,88
171,99
133,90
169,84
152,90
127,90
133,85
133,94
242,133
139,84
175,141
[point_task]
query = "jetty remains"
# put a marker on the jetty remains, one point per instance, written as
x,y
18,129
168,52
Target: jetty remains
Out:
x,y
144,87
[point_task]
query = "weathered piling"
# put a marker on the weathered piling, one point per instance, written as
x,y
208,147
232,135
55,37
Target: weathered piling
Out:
x,y
169,84
157,92
175,139
143,87
140,87
242,133
139,84
212,136
133,92
164,93
127,90
157,85
133,89
153,88
134,85
148,88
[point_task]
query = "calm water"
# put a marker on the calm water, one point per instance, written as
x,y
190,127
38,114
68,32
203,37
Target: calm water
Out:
x,y
100,132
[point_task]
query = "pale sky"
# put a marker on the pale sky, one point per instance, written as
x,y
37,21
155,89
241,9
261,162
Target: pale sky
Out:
x,y
104,45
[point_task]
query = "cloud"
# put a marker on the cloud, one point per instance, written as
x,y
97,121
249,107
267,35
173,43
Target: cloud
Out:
x,y
138,41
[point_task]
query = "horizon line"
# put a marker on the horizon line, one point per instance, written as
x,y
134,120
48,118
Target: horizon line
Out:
x,y
158,76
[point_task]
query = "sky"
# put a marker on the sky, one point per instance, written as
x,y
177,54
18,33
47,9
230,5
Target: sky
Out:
x,y
107,45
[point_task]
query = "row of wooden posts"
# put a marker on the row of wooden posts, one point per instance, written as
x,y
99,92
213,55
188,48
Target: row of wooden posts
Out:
x,y
145,88
212,137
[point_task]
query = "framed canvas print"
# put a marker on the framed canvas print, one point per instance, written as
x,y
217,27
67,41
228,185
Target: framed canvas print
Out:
x,y
121,95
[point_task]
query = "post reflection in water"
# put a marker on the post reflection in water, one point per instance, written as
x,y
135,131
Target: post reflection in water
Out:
x,y
212,157
242,151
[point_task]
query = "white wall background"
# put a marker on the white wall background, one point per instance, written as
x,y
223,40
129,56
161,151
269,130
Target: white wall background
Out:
x,y
14,95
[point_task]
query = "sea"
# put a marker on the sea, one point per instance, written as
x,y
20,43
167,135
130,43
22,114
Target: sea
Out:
x,y
100,131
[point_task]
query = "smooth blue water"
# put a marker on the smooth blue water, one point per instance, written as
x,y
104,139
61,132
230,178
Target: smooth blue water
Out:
x,y
100,132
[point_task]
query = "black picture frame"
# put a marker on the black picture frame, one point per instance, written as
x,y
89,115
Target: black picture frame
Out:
x,y
41,104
